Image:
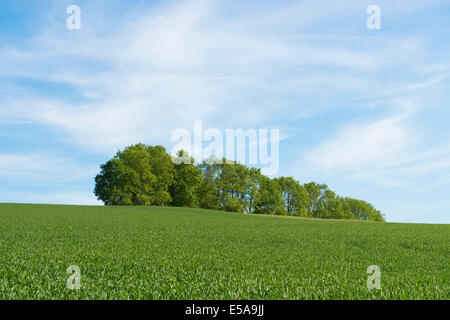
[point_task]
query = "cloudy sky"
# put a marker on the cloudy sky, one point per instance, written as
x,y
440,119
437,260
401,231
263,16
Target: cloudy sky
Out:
x,y
365,111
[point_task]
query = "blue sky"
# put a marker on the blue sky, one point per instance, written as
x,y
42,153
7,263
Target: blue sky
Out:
x,y
365,111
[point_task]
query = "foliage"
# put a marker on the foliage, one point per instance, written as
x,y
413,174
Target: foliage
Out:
x,y
269,199
147,175
138,175
187,182
294,195
361,209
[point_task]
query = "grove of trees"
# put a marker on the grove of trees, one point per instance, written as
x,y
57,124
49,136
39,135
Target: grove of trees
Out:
x,y
143,175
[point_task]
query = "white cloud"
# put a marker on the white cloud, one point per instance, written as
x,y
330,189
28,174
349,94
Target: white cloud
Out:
x,y
416,171
363,144
168,67
388,151
41,168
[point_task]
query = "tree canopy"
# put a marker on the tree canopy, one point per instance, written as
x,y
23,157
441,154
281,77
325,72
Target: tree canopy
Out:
x,y
147,175
138,175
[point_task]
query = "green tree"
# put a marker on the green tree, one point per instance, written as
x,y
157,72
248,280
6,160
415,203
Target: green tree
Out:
x,y
207,192
115,184
231,183
330,206
187,181
138,175
316,193
252,189
147,175
296,200
361,210
163,168
269,199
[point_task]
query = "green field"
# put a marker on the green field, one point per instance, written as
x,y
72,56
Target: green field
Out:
x,y
181,253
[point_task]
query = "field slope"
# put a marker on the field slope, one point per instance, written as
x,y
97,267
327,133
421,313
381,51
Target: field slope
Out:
x,y
180,253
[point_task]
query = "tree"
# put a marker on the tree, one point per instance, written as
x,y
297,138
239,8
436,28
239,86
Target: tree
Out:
x,y
163,168
316,194
361,210
138,175
116,183
147,175
330,206
269,199
325,204
187,180
296,200
207,192
231,183
252,189
226,183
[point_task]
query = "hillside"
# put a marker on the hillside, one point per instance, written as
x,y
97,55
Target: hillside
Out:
x,y
182,253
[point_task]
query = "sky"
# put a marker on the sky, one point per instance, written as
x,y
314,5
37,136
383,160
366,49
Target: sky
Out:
x,y
365,111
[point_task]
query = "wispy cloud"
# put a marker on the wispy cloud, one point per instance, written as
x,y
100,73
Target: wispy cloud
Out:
x,y
42,169
172,65
361,145
387,151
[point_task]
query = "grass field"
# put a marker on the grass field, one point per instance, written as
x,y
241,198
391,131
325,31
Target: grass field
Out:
x,y
178,253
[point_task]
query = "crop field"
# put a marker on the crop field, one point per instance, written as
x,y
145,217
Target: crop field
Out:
x,y
181,253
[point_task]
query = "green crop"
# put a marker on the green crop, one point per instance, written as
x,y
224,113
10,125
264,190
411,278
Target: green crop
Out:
x,y
182,253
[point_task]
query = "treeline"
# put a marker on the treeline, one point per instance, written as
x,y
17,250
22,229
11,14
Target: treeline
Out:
x,y
147,175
